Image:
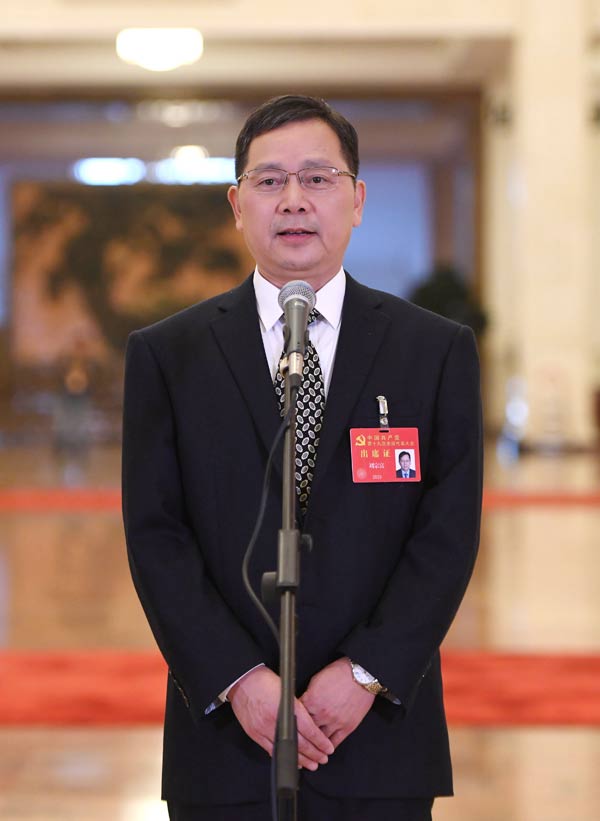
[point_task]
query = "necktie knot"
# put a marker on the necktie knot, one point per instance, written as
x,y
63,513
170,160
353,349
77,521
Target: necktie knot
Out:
x,y
312,316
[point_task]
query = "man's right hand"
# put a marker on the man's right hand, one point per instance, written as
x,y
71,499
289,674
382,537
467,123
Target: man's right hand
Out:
x,y
255,701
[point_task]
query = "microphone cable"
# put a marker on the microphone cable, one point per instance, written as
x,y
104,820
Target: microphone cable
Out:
x,y
285,423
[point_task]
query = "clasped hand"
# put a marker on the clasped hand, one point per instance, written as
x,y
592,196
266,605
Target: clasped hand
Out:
x,y
331,708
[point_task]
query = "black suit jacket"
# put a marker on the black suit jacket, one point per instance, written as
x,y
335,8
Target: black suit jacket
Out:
x,y
390,561
412,474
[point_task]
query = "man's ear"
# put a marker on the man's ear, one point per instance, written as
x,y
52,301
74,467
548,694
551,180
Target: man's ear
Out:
x,y
234,200
360,195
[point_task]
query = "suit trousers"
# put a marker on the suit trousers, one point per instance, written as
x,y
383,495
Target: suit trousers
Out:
x,y
312,806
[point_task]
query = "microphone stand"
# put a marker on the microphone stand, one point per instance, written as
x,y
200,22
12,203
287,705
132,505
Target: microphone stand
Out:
x,y
284,582
288,580
296,302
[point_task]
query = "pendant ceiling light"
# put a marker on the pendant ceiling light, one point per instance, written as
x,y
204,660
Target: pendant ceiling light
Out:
x,y
158,49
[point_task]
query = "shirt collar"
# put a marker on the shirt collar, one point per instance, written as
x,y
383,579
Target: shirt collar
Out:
x,y
330,299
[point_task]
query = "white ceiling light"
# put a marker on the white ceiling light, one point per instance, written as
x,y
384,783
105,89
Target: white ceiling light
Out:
x,y
109,170
160,49
207,171
189,153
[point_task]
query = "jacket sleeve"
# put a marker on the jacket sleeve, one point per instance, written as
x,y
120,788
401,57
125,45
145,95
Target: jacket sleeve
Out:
x,y
404,632
204,645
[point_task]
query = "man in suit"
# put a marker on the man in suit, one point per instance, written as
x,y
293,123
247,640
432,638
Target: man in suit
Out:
x,y
390,562
405,471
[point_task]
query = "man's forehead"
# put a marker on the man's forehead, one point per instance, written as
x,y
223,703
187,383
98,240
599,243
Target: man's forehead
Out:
x,y
310,141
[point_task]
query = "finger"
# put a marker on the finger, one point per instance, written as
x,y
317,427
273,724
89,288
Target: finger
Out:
x,y
338,736
307,763
262,741
266,744
259,733
308,750
331,727
310,731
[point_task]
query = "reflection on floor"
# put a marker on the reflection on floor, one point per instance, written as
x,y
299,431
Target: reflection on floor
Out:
x,y
64,584
501,775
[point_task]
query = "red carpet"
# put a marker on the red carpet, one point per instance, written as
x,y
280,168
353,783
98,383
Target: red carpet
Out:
x,y
44,500
107,688
501,688
59,499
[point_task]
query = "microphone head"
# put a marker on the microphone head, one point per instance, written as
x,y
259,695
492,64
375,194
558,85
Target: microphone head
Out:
x,y
297,288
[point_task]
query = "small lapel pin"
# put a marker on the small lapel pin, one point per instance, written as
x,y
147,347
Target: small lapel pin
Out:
x,y
383,413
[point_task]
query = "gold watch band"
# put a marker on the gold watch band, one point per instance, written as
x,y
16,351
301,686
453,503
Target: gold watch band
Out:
x,y
375,687
366,680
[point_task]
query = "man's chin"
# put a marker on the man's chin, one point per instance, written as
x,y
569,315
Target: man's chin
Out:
x,y
285,269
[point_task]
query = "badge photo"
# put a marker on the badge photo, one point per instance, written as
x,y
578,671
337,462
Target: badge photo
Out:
x,y
405,464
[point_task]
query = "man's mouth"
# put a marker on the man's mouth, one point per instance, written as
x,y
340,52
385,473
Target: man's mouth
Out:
x,y
295,232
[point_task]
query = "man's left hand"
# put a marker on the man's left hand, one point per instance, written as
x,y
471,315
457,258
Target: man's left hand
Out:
x,y
336,702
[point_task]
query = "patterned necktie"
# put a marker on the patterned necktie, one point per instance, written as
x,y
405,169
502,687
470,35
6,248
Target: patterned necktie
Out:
x,y
309,417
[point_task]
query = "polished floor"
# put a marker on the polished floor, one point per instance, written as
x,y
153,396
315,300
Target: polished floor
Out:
x,y
64,584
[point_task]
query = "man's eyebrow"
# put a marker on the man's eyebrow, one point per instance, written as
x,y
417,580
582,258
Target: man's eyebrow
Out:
x,y
316,162
263,166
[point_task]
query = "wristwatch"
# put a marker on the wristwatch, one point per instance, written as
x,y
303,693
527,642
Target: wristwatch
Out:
x,y
366,680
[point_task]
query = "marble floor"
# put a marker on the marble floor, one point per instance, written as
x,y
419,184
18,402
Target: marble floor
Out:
x,y
64,584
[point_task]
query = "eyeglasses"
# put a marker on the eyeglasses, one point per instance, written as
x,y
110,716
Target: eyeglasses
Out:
x,y
273,180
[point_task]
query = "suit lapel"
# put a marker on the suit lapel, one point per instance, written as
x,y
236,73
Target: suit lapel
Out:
x,y
361,334
237,331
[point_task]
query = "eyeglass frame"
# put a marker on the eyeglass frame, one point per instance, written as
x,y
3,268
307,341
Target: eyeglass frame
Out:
x,y
289,174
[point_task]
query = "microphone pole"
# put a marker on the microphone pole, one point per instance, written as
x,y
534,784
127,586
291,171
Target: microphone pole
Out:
x,y
296,299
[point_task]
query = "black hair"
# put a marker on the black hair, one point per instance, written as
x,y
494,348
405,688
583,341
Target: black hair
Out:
x,y
292,108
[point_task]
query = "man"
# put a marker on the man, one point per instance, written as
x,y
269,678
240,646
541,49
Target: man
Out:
x,y
390,561
405,471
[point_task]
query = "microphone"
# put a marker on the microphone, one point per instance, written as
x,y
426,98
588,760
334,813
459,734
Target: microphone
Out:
x,y
296,300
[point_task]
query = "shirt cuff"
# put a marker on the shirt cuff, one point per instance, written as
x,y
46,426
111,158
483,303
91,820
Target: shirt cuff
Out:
x,y
222,697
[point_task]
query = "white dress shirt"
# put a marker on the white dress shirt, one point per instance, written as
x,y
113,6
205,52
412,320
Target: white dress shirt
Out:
x,y
323,332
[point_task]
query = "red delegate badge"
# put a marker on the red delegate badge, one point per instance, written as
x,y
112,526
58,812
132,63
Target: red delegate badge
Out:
x,y
385,456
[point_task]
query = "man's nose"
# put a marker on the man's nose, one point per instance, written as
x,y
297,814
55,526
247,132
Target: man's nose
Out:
x,y
293,196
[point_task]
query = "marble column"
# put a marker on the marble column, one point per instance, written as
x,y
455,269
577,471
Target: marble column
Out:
x,y
552,278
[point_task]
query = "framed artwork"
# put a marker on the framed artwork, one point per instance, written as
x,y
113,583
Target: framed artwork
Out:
x,y
90,264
